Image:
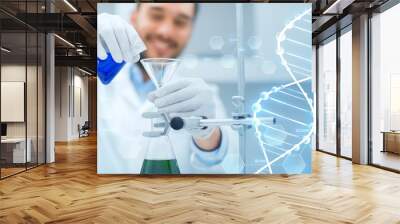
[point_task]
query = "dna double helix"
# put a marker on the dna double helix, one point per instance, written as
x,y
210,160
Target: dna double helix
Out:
x,y
289,103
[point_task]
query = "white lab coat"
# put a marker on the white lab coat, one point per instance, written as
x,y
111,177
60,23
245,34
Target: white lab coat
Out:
x,y
121,146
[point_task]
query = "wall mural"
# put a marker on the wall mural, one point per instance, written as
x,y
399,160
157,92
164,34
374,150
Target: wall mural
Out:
x,y
190,88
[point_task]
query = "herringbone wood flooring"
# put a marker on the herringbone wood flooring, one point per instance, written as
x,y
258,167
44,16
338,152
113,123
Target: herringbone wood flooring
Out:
x,y
70,191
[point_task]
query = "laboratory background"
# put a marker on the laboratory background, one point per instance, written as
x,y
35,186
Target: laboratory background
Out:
x,y
212,55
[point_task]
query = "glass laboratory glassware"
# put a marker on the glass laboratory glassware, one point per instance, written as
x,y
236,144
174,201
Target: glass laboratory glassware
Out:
x,y
160,157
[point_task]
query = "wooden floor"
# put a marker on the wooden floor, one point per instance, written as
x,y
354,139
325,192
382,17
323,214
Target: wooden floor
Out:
x,y
70,191
386,159
5,172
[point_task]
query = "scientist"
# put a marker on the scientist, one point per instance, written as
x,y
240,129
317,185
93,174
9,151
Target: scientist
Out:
x,y
156,30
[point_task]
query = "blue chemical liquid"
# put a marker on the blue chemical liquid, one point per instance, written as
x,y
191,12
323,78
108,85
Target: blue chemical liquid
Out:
x,y
107,69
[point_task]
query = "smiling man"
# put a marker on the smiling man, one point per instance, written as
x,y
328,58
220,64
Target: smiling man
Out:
x,y
165,30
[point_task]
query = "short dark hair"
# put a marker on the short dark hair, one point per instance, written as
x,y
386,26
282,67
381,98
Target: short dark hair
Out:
x,y
196,7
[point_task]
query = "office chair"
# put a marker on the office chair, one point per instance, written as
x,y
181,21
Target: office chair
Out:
x,y
84,130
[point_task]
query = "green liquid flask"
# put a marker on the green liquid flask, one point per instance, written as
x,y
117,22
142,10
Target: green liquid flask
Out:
x,y
160,157
160,167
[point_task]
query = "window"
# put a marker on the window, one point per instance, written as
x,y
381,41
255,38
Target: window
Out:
x,y
327,96
22,77
385,87
346,93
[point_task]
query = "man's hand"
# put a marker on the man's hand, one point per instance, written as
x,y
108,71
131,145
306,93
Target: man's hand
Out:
x,y
190,97
118,37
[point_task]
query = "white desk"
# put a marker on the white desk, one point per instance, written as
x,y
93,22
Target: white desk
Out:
x,y
19,149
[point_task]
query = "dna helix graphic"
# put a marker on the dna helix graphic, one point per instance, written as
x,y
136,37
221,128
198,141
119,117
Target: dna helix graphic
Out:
x,y
289,103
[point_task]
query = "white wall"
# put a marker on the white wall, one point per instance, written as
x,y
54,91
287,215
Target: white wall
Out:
x,y
71,96
16,73
12,73
80,103
61,103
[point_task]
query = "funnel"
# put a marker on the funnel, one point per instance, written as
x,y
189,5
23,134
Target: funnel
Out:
x,y
160,157
160,70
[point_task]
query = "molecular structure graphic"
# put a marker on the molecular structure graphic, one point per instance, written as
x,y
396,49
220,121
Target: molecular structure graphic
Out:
x,y
289,103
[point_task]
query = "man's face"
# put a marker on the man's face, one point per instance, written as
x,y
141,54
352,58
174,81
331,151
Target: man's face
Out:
x,y
164,27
